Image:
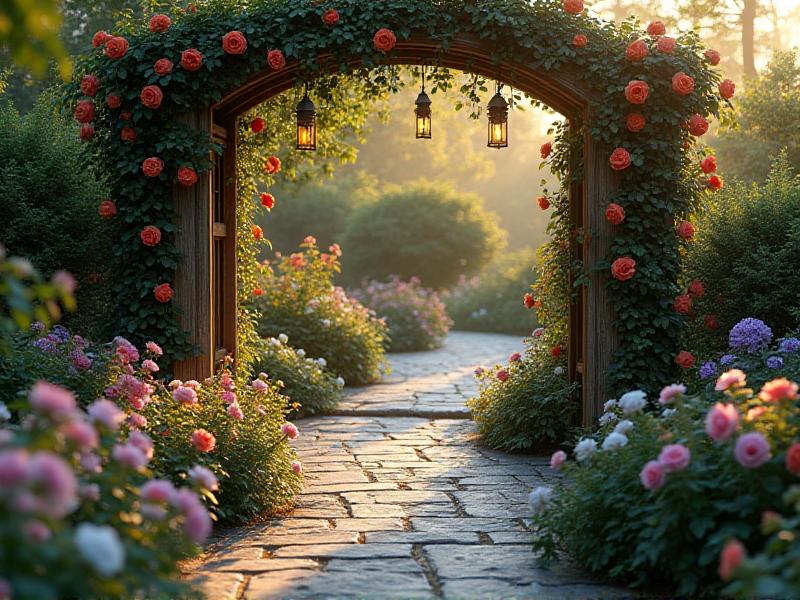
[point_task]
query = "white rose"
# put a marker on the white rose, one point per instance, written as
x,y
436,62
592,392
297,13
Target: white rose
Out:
x,y
301,353
584,449
633,402
607,418
326,323
558,371
609,405
340,382
101,547
615,441
624,427
5,414
283,338
322,362
274,342
539,499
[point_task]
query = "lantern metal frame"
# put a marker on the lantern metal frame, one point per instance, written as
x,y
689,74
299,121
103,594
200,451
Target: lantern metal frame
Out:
x,y
498,120
306,124
423,113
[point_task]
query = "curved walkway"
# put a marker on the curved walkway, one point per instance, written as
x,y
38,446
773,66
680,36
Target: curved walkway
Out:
x,y
401,501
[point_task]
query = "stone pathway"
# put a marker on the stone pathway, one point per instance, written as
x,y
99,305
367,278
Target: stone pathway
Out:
x,y
400,500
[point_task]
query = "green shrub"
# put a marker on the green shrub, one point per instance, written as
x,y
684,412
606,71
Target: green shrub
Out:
x,y
424,230
746,237
415,315
672,530
48,207
311,389
492,300
297,299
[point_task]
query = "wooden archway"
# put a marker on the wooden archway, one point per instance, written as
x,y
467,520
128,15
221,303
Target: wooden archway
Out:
x,y
206,278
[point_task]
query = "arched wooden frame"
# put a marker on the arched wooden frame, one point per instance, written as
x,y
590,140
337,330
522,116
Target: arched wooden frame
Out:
x,y
206,278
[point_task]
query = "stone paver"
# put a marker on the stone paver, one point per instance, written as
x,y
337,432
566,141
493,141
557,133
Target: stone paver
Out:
x,y
400,501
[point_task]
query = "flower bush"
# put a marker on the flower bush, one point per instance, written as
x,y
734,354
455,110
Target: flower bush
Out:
x,y
297,298
309,386
669,491
415,315
491,301
81,514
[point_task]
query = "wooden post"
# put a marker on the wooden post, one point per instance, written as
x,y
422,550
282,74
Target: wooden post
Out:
x,y
194,276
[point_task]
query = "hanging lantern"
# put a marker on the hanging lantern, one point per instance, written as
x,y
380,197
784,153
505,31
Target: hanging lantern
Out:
x,y
306,124
498,121
423,112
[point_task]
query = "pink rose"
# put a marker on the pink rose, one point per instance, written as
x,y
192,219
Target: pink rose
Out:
x,y
290,430
184,395
157,490
51,399
203,440
671,392
732,378
557,460
722,421
752,450
652,475
777,390
297,467
674,457
731,558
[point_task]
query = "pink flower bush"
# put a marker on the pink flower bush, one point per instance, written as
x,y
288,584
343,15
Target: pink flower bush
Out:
x,y
52,399
671,393
722,421
106,414
674,457
752,450
557,460
653,475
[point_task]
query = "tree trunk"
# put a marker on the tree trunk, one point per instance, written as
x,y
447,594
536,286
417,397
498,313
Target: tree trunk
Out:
x,y
748,37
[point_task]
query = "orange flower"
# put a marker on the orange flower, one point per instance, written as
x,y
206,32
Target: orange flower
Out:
x,y
152,96
150,236
620,159
682,84
685,230
152,166
573,7
635,122
656,28
685,359
116,47
384,40
636,50
234,42
187,176
268,200
544,203
580,41
159,23
258,233
163,293
191,59
637,91
615,214
623,269
273,165
276,59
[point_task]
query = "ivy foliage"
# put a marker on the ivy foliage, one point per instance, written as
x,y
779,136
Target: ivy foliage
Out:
x,y
538,34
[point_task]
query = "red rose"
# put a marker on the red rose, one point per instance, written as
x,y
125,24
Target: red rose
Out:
x,y
546,150
544,203
698,125
712,56
528,300
637,50
615,214
163,66
100,38
683,304
384,40
87,131
620,159
191,59
726,89
715,182
623,268
116,47
128,134
126,116
258,233
276,59
635,122
234,42
257,125
268,200
573,7
90,84
258,291
793,459
107,209
685,230
152,166
159,23
656,28
682,84
150,236
84,111
636,92
710,322
330,17
187,176
113,101
556,351
502,375
273,165
580,41
152,96
697,289
709,164
163,293
666,45
685,359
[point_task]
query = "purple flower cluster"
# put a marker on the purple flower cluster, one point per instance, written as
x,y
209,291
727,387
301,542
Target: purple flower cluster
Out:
x,y
708,370
727,359
775,362
750,335
789,345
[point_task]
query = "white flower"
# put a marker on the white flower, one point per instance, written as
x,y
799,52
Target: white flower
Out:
x,y
322,362
609,405
5,414
668,412
633,402
340,382
615,441
558,371
539,498
584,449
301,353
274,341
624,427
101,547
607,418
283,338
326,323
